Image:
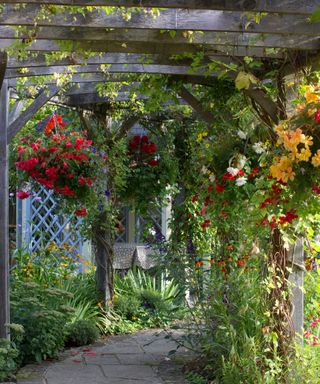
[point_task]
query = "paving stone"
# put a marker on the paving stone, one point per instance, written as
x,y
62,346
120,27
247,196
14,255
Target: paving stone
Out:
x,y
133,359
137,358
129,371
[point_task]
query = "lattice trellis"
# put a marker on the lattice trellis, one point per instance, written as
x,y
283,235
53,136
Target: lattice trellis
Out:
x,y
155,216
45,225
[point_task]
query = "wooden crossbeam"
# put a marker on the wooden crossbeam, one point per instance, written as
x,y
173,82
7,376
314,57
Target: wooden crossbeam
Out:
x,y
144,48
279,6
156,36
170,19
102,78
196,105
114,68
94,98
104,58
26,115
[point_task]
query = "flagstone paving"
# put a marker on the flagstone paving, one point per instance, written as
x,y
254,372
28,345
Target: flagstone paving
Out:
x,y
132,359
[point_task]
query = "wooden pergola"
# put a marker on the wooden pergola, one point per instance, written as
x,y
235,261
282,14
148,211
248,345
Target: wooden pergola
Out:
x,y
278,33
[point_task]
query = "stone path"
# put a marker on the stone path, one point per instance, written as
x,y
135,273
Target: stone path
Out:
x,y
132,359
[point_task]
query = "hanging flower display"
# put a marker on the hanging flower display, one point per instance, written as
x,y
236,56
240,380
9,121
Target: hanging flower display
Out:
x,y
61,160
298,144
142,151
150,171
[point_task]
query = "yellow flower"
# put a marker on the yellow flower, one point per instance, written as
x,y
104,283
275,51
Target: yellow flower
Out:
x,y
304,155
201,136
282,169
311,97
316,159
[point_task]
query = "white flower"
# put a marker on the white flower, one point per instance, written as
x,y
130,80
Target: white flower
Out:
x,y
204,169
241,162
212,177
242,135
241,181
258,148
233,171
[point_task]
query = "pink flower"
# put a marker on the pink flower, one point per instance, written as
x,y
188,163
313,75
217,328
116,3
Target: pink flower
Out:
x,y
317,116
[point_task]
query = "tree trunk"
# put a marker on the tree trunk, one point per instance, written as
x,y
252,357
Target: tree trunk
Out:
x,y
280,304
103,243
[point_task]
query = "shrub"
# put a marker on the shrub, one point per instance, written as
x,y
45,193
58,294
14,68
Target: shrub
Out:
x,y
8,356
43,315
128,307
81,332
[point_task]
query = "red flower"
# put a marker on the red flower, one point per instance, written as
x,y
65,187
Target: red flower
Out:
x,y
52,173
23,194
144,139
81,212
205,224
81,180
27,165
317,116
273,222
219,188
227,176
240,173
254,172
207,201
65,191
316,189
194,198
203,211
34,146
153,162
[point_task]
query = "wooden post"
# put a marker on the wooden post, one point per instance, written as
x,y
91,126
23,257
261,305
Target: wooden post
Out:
x,y
297,278
4,214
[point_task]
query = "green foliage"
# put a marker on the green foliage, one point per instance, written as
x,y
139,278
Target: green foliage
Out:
x,y
195,378
129,307
43,315
49,266
8,357
81,332
305,367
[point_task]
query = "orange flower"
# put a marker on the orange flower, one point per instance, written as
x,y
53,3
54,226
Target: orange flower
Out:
x,y
229,247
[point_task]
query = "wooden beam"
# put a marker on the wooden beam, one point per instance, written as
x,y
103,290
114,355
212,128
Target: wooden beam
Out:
x,y
196,105
113,77
104,58
4,214
170,19
114,68
127,124
20,121
15,110
279,6
144,48
94,98
160,37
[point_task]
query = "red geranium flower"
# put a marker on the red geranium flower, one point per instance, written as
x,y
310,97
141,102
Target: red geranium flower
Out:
x,y
228,176
81,212
153,162
219,188
23,194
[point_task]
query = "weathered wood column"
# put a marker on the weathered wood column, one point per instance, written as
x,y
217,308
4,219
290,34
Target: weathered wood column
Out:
x,y
296,256
4,214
